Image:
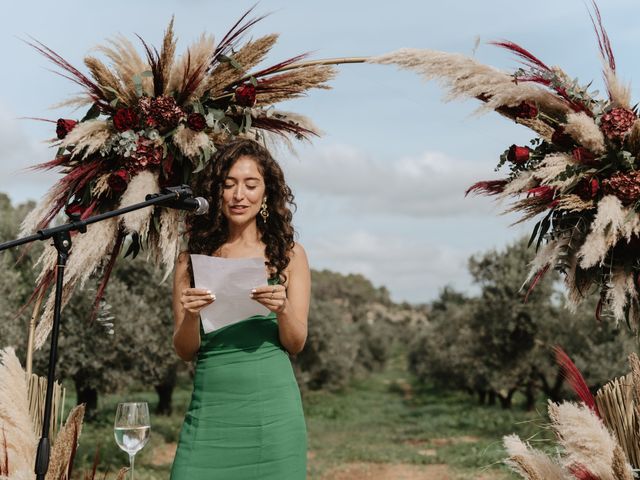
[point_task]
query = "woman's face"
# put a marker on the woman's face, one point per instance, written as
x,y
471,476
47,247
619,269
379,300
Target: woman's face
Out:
x,y
243,191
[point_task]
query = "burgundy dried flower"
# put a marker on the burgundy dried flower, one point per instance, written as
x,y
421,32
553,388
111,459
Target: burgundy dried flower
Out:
x,y
246,95
125,119
587,188
196,122
584,156
518,155
561,139
617,122
64,126
525,110
146,153
625,186
118,180
162,112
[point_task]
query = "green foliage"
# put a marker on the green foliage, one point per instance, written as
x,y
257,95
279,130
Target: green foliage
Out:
x,y
496,344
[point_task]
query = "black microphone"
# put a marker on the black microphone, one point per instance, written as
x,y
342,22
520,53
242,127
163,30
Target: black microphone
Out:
x,y
183,200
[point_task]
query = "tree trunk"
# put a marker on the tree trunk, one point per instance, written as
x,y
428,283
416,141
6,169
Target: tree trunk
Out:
x,y
505,400
482,397
492,398
165,392
88,396
530,394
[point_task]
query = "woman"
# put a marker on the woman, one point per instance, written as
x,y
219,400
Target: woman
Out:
x,y
245,420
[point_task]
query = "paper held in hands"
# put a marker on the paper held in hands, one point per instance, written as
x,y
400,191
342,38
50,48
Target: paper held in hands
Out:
x,y
231,280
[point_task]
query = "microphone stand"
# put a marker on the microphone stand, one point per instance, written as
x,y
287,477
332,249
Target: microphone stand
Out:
x,y
62,241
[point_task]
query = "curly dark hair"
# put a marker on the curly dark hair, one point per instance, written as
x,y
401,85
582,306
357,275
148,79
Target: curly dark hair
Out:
x,y
207,233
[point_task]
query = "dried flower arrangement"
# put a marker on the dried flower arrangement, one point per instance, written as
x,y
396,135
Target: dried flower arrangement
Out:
x,y
581,172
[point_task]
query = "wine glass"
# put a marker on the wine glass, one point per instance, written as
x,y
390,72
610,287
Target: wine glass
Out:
x,y
131,428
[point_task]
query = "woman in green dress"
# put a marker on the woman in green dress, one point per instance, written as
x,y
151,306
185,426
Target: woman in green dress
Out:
x,y
245,420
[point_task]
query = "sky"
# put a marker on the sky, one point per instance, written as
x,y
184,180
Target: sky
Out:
x,y
381,193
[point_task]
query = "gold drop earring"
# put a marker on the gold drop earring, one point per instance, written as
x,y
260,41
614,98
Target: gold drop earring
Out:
x,y
264,212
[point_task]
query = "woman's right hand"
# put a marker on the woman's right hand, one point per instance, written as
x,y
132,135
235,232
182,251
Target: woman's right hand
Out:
x,y
195,299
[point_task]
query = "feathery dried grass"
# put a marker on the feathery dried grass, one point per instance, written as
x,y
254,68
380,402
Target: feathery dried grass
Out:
x,y
192,143
194,63
584,437
547,255
87,137
585,132
552,166
294,84
65,444
169,239
573,203
465,77
144,183
634,138
619,94
248,56
605,231
110,84
101,185
167,54
88,251
30,223
127,64
620,285
530,463
15,419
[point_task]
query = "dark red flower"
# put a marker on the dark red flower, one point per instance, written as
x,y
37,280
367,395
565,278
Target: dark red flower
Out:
x,y
75,208
118,180
587,188
526,110
561,139
161,112
125,119
146,153
64,126
518,155
246,95
197,122
617,122
584,156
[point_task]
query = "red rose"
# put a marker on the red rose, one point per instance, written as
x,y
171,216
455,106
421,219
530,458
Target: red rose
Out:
x,y
118,180
197,122
246,95
526,110
518,155
64,126
125,119
587,188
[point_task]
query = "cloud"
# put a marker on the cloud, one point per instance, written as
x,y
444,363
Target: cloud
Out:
x,y
413,269
17,152
431,184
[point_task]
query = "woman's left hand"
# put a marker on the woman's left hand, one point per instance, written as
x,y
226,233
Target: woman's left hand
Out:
x,y
274,297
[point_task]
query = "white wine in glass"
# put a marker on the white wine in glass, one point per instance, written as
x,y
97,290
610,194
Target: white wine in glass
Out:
x,y
131,428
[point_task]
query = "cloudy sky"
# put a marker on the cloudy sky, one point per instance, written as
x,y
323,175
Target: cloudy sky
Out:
x,y
382,192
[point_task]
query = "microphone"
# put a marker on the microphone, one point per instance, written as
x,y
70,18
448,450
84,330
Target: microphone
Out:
x,y
183,200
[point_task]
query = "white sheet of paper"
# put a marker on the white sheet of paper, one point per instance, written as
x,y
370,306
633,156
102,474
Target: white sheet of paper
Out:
x,y
231,281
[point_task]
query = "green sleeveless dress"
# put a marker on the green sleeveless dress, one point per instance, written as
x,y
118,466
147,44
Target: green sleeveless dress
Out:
x,y
245,420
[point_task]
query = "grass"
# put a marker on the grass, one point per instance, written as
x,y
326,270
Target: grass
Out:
x,y
385,418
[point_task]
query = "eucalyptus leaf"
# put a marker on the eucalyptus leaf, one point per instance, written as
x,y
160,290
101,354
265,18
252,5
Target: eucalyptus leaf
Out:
x,y
93,112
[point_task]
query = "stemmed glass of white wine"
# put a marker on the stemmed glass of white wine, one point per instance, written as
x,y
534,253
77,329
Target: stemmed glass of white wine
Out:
x,y
131,428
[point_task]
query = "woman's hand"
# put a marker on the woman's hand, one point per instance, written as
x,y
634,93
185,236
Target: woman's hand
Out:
x,y
195,299
274,297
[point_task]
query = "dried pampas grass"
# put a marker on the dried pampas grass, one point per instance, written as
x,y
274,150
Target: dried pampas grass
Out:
x,y
15,420
465,77
66,443
585,132
143,183
192,66
294,84
192,143
605,231
128,65
87,137
552,166
531,463
585,439
169,238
